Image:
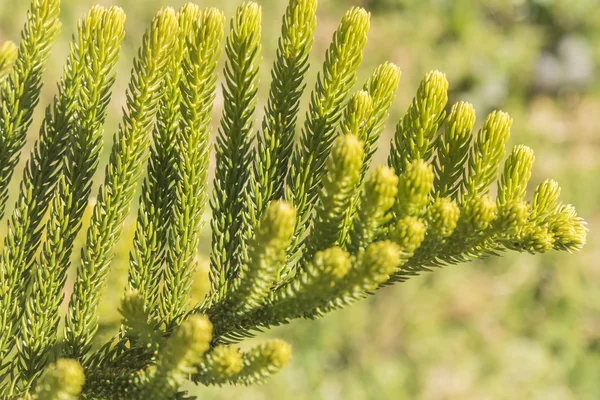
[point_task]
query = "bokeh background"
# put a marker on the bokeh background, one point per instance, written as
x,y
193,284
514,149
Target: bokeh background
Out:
x,y
516,327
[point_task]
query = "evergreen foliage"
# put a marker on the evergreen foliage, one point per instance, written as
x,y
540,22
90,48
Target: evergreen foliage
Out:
x,y
297,232
234,145
128,154
192,158
155,205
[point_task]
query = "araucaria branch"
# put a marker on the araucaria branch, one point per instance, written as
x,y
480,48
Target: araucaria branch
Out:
x,y
302,223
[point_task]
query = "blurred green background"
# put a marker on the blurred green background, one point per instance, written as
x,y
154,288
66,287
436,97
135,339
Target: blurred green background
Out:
x,y
516,327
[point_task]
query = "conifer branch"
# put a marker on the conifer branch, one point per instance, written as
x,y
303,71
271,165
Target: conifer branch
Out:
x,y
325,110
549,216
569,230
355,120
452,150
155,205
474,231
357,115
371,269
335,197
175,362
301,296
377,198
220,366
512,187
546,198
125,166
20,92
267,255
234,144
94,54
452,238
416,132
512,184
276,139
263,361
279,253
414,189
172,366
381,87
227,365
486,153
441,219
477,208
192,158
138,325
408,233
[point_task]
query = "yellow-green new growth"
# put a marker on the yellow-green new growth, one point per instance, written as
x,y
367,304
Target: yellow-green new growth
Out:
x,y
177,359
263,361
61,381
301,297
227,365
452,150
473,232
381,87
441,219
333,84
569,231
550,225
266,257
133,311
371,268
486,153
355,120
416,132
357,114
136,320
414,189
517,172
518,233
408,233
376,264
335,197
220,366
546,198
377,198
188,343
476,214
511,216
311,289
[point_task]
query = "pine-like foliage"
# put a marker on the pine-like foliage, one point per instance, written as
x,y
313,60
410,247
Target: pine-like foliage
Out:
x,y
234,145
299,228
